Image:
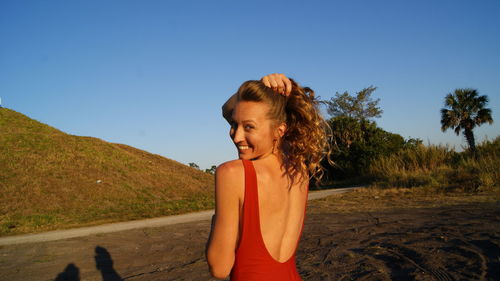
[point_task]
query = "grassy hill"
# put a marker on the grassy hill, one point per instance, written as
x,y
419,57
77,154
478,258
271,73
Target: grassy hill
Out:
x,y
53,180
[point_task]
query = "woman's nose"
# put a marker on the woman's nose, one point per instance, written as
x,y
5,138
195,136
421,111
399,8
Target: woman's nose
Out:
x,y
237,135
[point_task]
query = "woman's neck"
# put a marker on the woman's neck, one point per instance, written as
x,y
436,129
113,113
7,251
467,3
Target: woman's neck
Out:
x,y
269,156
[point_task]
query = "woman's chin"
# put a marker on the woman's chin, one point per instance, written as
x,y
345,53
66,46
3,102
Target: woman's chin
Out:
x,y
244,156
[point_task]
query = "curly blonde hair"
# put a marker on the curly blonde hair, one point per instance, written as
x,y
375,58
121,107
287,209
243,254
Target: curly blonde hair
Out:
x,y
306,140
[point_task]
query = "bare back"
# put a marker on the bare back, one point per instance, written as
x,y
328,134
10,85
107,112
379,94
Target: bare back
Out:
x,y
281,209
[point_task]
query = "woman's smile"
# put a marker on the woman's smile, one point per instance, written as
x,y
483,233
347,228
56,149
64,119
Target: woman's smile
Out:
x,y
243,149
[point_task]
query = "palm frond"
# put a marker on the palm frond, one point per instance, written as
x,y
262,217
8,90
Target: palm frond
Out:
x,y
483,116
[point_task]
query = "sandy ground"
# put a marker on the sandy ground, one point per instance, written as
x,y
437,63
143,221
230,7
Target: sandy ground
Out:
x,y
447,243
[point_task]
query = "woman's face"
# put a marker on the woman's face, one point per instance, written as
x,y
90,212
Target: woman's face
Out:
x,y
251,130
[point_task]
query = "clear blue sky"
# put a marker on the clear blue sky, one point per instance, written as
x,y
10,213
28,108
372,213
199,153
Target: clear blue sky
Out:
x,y
153,74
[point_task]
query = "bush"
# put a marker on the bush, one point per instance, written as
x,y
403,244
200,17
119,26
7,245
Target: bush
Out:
x,y
357,143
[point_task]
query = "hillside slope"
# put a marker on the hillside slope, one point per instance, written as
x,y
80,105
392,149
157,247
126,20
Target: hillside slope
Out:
x,y
50,179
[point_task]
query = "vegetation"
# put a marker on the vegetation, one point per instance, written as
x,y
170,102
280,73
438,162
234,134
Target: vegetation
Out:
x,y
464,110
365,153
359,107
211,170
357,140
440,167
357,143
52,180
194,165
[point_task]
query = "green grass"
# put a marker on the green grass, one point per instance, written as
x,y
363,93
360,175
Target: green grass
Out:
x,y
49,180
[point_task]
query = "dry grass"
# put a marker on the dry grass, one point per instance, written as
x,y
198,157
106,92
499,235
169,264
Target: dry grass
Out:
x,y
376,199
440,166
52,180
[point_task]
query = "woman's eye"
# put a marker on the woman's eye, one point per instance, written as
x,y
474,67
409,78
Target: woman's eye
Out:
x,y
248,127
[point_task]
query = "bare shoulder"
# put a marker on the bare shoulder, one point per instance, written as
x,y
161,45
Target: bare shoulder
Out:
x,y
230,171
230,167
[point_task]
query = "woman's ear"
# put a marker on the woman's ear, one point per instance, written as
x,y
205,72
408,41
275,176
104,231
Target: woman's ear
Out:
x,y
282,129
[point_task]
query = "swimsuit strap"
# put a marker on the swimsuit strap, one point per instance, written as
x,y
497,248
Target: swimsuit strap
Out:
x,y
250,213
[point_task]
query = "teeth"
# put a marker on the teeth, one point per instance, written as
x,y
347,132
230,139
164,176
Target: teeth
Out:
x,y
243,146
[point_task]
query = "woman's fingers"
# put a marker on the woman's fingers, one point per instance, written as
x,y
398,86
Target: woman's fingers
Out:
x,y
270,81
278,82
280,88
288,86
266,82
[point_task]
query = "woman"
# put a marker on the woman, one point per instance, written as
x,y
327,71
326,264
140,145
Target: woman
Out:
x,y
261,198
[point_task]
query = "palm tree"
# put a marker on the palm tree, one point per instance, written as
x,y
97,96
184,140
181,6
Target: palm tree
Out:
x,y
464,110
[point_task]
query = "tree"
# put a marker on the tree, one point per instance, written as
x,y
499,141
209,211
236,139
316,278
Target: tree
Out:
x,y
356,143
211,170
464,110
359,107
345,130
194,165
357,140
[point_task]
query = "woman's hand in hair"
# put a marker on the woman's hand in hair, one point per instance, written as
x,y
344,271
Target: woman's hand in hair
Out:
x,y
278,82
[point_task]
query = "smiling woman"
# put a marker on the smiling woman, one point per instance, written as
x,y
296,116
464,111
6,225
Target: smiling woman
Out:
x,y
261,197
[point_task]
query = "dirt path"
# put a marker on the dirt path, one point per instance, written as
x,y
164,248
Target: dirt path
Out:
x,y
137,224
446,243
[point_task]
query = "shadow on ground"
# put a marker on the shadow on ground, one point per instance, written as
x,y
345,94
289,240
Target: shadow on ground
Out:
x,y
103,263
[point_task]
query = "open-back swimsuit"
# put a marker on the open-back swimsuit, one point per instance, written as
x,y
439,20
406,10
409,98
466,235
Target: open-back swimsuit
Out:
x,y
253,262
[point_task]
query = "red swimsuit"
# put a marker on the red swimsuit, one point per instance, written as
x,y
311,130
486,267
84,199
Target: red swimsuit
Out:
x,y
253,262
